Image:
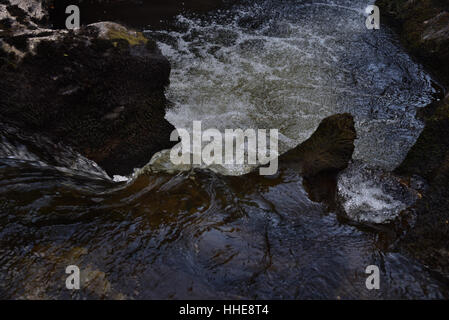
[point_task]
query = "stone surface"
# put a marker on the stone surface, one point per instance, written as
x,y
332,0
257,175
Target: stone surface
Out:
x,y
329,149
99,89
424,29
428,240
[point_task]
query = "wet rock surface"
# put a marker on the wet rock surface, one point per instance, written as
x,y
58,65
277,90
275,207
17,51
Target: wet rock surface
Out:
x,y
329,149
429,158
99,89
424,29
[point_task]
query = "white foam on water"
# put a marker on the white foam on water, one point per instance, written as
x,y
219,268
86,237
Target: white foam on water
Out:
x,y
302,62
368,203
372,195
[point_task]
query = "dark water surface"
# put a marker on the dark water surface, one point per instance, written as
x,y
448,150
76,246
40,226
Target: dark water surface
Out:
x,y
194,235
200,234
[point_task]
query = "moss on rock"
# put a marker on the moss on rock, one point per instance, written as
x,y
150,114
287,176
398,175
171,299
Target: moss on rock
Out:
x,y
132,38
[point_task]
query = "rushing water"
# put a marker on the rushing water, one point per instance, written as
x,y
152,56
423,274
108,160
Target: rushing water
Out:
x,y
199,234
289,64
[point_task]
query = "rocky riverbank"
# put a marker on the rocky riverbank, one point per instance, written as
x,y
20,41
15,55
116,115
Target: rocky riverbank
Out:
x,y
428,240
99,90
423,27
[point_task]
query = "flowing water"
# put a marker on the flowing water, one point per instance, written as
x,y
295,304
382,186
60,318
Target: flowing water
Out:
x,y
289,64
201,234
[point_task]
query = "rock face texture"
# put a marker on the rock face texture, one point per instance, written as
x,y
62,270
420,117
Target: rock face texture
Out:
x,y
320,158
428,240
424,29
99,90
329,149
423,26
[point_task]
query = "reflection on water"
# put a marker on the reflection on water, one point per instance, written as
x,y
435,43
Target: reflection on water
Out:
x,y
192,235
204,235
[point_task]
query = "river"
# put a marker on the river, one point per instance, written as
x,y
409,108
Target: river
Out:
x,y
213,234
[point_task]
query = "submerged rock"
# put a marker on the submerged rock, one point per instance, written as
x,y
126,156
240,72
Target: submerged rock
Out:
x,y
99,90
371,195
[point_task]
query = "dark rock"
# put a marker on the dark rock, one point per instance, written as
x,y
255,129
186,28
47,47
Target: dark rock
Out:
x,y
100,90
428,240
428,154
329,149
424,29
321,157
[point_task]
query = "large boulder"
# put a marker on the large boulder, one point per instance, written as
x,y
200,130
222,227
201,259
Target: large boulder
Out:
x,y
99,89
